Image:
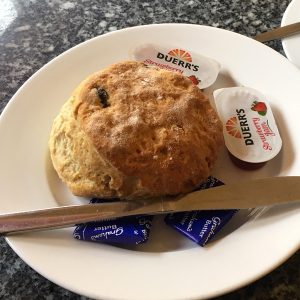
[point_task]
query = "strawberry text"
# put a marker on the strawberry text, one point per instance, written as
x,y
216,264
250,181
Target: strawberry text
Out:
x,y
263,130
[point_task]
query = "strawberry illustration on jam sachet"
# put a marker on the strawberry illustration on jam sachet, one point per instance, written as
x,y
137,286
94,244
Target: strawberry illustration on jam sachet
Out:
x,y
260,107
194,79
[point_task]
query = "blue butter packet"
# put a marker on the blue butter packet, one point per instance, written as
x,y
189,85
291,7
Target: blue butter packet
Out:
x,y
126,230
201,226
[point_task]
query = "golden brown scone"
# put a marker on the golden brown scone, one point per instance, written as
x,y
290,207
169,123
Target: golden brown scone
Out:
x,y
135,131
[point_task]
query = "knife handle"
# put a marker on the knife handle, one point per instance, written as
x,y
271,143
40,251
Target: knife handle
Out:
x,y
278,33
59,217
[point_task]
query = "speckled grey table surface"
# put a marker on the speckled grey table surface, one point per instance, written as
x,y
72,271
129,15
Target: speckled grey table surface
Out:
x,y
33,32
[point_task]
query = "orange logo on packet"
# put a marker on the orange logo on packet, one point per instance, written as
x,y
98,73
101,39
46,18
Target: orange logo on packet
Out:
x,y
181,54
232,128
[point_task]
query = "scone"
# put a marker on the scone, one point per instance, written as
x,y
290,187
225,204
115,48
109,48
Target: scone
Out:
x,y
135,131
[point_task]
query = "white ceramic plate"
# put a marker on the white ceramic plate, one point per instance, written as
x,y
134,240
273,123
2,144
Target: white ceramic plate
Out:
x,y
291,45
168,266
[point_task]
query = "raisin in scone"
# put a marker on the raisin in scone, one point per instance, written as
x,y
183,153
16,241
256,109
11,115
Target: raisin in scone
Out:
x,y
135,131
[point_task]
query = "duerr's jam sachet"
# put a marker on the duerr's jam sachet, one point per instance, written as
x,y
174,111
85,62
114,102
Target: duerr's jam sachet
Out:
x,y
201,70
250,131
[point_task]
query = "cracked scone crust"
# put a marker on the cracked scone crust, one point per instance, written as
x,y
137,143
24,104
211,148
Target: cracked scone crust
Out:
x,y
134,131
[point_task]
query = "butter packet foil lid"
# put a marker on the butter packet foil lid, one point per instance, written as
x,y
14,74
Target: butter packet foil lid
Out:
x,y
201,70
126,230
201,226
249,127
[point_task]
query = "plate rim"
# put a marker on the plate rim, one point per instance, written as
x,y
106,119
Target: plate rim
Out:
x,y
284,23
61,56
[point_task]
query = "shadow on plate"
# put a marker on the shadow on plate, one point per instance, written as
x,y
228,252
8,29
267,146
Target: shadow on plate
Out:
x,y
287,154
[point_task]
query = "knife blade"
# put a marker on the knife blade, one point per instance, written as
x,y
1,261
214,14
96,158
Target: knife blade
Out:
x,y
278,33
242,195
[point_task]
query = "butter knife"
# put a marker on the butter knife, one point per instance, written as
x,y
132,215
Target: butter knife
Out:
x,y
246,194
278,33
